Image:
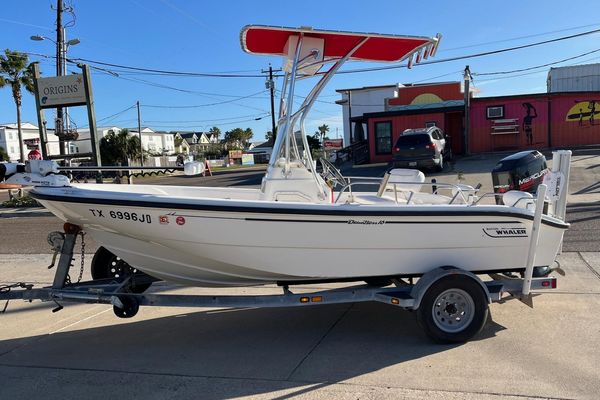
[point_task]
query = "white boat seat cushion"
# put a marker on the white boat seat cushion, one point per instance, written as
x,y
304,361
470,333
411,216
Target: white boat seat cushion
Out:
x,y
409,180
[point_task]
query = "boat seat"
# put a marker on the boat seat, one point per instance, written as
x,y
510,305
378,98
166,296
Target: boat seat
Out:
x,y
371,199
401,180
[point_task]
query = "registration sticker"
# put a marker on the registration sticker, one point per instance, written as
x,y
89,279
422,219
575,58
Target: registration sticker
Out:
x,y
180,220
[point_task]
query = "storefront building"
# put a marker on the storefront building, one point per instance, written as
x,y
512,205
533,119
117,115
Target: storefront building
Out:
x,y
500,123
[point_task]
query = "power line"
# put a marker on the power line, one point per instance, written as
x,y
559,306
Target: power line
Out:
x,y
116,114
208,120
200,125
537,66
231,75
208,104
476,55
166,72
517,38
199,74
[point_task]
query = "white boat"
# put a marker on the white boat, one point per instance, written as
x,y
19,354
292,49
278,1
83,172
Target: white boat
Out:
x,y
296,227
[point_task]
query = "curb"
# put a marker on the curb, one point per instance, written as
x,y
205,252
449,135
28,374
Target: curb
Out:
x,y
24,212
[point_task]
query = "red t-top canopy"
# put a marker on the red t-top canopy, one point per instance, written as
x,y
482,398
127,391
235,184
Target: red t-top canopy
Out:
x,y
271,40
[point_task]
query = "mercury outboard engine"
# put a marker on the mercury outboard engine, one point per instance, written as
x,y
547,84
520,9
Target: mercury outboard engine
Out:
x,y
522,171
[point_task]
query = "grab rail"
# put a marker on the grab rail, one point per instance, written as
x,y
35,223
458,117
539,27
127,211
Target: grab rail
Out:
x,y
372,181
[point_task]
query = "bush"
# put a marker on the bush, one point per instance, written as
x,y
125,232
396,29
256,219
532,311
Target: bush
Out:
x,y
19,202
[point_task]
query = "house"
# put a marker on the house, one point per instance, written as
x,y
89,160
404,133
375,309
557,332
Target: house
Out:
x,y
9,139
261,151
83,144
155,142
358,101
198,142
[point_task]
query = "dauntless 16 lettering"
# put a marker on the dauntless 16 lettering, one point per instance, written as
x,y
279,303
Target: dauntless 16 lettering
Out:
x,y
124,215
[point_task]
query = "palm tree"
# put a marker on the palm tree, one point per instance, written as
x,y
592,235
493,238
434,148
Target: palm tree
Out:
x,y
322,131
216,132
16,72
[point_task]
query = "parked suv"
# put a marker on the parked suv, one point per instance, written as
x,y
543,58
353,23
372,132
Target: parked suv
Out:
x,y
421,148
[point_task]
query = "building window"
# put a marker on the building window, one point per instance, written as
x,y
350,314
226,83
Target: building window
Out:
x,y
10,136
383,137
430,124
495,112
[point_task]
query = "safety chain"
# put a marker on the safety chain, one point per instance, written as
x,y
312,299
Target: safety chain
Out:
x,y
82,256
7,289
68,279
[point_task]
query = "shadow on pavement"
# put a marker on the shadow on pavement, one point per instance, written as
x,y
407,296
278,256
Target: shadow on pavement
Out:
x,y
290,347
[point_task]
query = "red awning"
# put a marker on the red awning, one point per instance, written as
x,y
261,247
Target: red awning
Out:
x,y
271,40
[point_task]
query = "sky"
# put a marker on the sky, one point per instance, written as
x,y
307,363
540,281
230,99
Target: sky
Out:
x,y
204,37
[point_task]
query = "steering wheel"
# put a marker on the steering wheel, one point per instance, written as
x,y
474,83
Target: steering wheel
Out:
x,y
330,172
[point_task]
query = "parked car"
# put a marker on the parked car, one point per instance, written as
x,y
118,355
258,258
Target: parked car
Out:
x,y
421,148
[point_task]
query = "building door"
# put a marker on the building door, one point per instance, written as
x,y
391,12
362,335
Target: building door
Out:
x,y
454,128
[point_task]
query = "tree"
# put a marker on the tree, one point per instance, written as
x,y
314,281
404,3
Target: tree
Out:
x,y
216,132
238,137
15,71
313,142
3,154
322,131
119,148
270,137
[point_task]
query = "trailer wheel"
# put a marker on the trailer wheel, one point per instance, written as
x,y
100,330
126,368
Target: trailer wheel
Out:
x,y
107,265
453,309
130,307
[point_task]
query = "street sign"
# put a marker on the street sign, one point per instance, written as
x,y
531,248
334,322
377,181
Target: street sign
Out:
x,y
333,144
61,91
247,159
235,153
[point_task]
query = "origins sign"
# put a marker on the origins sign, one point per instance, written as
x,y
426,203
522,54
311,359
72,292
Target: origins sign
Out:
x,y
61,91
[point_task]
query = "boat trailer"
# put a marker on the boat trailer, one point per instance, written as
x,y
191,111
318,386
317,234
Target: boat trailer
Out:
x,y
451,303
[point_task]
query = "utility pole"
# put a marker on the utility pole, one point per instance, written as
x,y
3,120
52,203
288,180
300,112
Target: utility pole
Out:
x,y
59,124
140,133
270,84
466,131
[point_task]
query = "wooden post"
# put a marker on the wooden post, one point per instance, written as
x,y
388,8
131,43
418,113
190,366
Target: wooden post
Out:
x,y
89,98
467,127
40,112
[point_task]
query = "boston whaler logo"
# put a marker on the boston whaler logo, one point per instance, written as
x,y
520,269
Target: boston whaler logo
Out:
x,y
365,222
509,232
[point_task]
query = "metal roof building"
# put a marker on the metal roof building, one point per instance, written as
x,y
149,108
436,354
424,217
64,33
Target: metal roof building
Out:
x,y
575,78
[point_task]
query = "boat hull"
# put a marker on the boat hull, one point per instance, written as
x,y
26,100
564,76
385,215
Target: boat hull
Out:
x,y
203,242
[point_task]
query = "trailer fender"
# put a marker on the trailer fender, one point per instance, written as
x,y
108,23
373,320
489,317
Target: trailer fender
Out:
x,y
428,279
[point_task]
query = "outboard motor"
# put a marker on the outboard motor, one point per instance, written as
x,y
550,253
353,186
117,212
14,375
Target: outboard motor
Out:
x,y
522,171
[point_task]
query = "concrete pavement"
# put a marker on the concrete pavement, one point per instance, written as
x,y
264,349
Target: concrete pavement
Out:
x,y
343,351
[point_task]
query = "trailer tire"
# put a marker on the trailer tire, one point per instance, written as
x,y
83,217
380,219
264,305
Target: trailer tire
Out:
x,y
130,307
107,265
453,309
